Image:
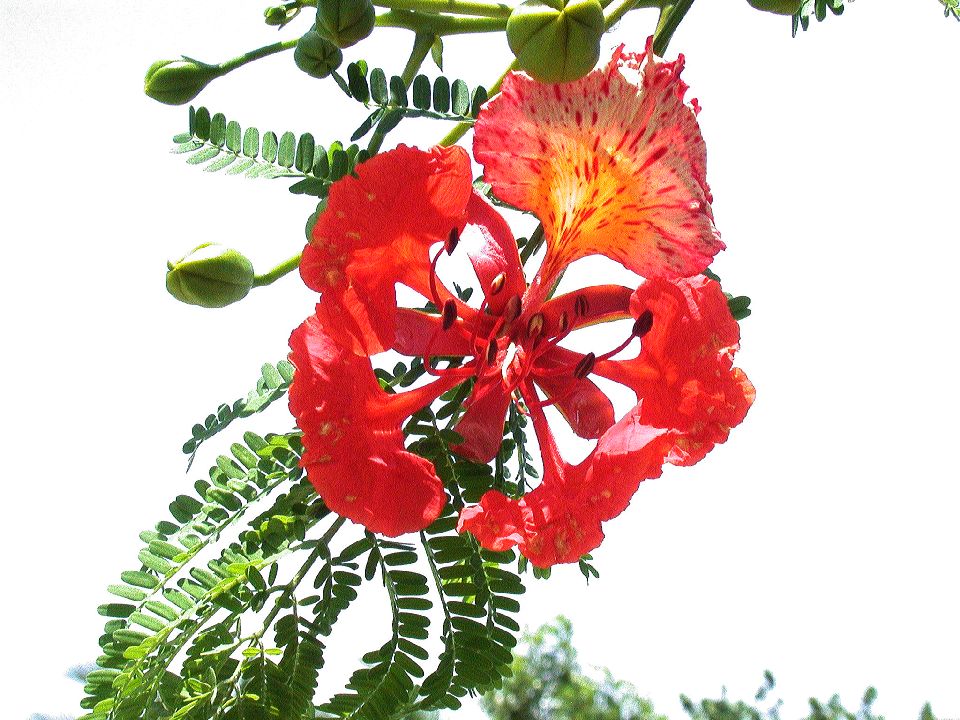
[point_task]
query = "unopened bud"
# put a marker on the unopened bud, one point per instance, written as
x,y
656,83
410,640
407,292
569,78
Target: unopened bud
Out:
x,y
210,276
177,82
345,22
556,40
317,56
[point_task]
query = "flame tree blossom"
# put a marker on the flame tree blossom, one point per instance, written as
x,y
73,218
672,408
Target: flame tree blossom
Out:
x,y
609,166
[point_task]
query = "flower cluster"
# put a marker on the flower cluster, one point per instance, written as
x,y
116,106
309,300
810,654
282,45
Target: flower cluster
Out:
x,y
613,164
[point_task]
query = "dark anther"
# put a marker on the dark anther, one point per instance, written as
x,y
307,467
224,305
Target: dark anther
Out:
x,y
563,322
585,366
643,324
492,350
452,241
535,326
497,284
449,315
511,311
581,306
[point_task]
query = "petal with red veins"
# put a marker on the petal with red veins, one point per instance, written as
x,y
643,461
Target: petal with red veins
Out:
x,y
609,166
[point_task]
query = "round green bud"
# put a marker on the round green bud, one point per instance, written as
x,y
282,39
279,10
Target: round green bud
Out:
x,y
556,40
780,7
317,56
211,276
345,22
277,16
176,82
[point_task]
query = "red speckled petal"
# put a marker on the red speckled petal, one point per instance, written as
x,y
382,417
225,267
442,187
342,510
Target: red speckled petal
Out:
x,y
609,166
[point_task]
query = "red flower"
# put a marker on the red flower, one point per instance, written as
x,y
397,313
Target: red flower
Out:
x,y
609,168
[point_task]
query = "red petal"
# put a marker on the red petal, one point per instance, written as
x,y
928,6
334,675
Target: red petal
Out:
x,y
482,424
353,445
497,521
416,330
582,404
683,376
497,256
608,166
378,226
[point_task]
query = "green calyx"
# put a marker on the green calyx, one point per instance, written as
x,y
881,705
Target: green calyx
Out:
x,y
345,22
317,56
211,276
780,7
177,82
556,40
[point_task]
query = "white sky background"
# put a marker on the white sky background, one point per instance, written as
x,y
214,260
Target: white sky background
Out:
x,y
820,542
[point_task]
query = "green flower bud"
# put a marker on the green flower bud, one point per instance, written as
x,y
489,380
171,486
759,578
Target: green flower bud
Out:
x,y
317,56
345,22
780,7
210,276
176,82
279,15
556,40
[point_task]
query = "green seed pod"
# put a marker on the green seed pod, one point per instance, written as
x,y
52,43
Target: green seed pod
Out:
x,y
345,22
176,82
556,40
780,7
211,276
317,56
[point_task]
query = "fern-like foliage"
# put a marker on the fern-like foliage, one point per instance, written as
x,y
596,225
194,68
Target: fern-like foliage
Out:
x,y
951,7
817,9
224,146
439,99
272,385
205,627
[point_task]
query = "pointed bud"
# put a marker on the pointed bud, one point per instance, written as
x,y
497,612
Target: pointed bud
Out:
x,y
449,314
280,15
177,82
210,276
556,40
345,22
317,56
642,324
585,366
453,239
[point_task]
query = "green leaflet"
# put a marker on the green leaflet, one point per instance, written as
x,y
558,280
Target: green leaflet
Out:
x,y
817,9
394,100
222,145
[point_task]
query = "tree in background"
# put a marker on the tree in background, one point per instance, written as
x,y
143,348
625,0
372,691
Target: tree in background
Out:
x,y
547,684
